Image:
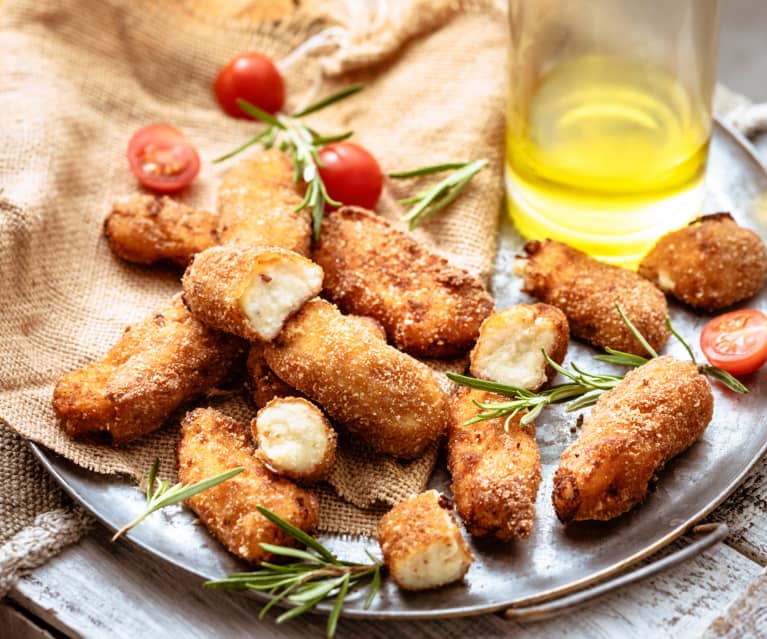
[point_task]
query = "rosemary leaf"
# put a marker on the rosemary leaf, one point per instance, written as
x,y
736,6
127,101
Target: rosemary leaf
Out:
x,y
635,332
679,338
723,376
427,170
322,140
331,99
151,478
336,612
291,552
300,535
253,110
254,140
620,358
375,585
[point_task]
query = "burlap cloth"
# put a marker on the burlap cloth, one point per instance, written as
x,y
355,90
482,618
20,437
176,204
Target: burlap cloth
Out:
x,y
78,77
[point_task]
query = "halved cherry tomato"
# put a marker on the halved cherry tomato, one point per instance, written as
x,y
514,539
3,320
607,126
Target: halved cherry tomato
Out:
x,y
736,342
252,77
162,158
351,174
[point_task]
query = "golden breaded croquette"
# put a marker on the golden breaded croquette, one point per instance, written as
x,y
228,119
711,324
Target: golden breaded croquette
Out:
x,y
710,264
249,291
496,472
257,202
146,229
159,364
421,543
656,412
510,346
294,439
212,443
428,307
587,291
390,400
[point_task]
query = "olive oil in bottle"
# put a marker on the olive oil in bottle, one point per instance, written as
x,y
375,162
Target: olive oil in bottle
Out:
x,y
607,155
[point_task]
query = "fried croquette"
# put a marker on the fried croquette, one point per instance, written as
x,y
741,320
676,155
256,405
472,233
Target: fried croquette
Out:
x,y
159,364
146,229
263,384
496,470
249,291
511,342
421,543
428,307
710,264
212,443
257,202
587,291
656,412
294,439
390,400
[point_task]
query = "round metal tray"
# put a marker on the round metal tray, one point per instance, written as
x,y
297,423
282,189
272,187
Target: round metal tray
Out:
x,y
556,560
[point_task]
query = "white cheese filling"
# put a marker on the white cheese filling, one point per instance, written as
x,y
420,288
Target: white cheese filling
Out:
x,y
276,292
292,436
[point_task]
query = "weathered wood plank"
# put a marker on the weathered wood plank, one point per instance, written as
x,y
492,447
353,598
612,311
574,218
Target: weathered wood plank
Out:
x,y
746,515
746,618
96,589
16,625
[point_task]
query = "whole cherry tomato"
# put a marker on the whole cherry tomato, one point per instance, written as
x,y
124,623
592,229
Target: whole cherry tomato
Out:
x,y
351,174
162,158
252,77
736,342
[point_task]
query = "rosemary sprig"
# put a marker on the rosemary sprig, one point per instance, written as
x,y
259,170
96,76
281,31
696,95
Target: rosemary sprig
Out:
x,y
166,495
303,144
584,388
319,574
437,197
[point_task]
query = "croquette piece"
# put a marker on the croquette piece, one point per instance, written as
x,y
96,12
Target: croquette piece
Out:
x,y
587,291
496,470
710,264
146,229
657,411
249,291
257,202
511,344
428,307
422,544
294,439
212,443
390,400
159,364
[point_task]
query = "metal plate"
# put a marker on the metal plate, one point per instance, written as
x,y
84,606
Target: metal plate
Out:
x,y
555,560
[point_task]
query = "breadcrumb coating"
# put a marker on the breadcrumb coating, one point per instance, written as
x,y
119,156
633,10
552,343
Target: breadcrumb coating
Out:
x,y
212,443
257,202
428,307
510,346
587,291
710,264
422,544
496,473
159,364
146,229
392,401
656,412
249,291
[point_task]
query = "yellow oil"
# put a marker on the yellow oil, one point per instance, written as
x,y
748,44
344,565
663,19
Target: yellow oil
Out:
x,y
607,155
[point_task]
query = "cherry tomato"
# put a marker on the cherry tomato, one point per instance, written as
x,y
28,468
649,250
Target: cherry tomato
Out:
x,y
252,77
736,342
351,174
162,158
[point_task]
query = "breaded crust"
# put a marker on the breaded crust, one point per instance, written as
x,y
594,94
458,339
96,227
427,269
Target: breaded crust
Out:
x,y
428,307
392,401
710,264
249,291
257,202
159,364
495,473
299,443
421,543
146,229
587,290
510,344
656,412
212,443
